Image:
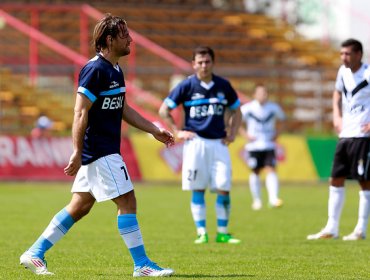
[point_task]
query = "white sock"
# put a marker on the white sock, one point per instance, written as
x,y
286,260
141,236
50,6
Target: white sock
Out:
x,y
335,206
255,186
363,212
198,212
222,212
272,185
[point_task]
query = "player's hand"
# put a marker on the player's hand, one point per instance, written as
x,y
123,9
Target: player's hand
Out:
x,y
337,124
365,128
185,135
251,138
164,136
74,164
228,139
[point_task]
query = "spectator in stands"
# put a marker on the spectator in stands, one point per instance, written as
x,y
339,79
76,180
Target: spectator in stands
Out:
x,y
260,117
351,119
43,127
212,119
100,171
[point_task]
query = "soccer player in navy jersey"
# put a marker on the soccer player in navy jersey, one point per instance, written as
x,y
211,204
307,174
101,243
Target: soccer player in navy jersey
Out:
x,y
101,173
212,119
351,119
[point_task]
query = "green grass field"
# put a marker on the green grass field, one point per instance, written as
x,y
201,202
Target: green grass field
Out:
x,y
273,244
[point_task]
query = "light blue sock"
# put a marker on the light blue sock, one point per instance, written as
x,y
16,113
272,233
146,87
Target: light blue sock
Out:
x,y
58,227
198,210
129,230
222,212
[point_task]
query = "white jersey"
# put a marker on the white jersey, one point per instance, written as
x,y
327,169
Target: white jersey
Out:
x,y
261,122
355,91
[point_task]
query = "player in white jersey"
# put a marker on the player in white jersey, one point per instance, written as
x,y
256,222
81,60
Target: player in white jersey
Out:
x,y
212,119
96,161
260,116
351,118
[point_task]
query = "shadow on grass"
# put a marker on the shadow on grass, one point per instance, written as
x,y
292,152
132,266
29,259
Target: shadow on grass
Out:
x,y
212,276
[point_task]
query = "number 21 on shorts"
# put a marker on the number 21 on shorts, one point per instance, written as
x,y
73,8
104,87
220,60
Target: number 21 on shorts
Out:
x,y
192,174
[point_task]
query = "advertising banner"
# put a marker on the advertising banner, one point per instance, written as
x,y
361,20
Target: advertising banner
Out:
x,y
25,158
158,163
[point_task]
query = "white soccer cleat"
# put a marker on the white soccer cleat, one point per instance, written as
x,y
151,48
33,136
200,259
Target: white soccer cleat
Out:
x,y
35,264
151,269
277,204
256,205
354,236
323,234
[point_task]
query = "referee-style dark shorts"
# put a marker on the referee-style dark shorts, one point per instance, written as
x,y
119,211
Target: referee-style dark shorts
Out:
x,y
260,159
352,159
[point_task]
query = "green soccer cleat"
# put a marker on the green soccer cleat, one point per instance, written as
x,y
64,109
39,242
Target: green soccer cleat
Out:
x,y
202,239
226,238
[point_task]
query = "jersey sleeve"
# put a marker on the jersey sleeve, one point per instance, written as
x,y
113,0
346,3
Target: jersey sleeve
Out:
x,y
245,111
339,85
176,96
367,75
88,84
279,112
232,97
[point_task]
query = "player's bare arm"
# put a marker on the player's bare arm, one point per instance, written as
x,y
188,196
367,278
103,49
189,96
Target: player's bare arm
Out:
x,y
337,111
280,127
80,120
136,120
244,133
233,121
165,114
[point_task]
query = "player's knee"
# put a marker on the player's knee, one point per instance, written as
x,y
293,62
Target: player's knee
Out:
x,y
126,203
336,182
79,211
365,185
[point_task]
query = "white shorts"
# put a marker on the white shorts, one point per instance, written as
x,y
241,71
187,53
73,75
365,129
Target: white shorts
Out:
x,y
206,162
105,178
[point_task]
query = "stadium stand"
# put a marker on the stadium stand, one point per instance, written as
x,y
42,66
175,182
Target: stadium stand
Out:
x,y
250,49
21,105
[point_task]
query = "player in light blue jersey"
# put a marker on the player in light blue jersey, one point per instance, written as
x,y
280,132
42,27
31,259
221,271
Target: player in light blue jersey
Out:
x,y
212,119
101,174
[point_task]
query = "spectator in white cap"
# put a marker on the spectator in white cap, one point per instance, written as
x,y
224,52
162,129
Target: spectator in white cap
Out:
x,y
42,128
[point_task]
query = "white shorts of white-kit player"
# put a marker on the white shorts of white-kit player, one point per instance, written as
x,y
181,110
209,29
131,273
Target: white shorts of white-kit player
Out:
x,y
206,163
106,178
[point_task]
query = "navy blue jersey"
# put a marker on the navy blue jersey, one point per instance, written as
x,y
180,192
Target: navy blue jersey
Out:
x,y
204,104
104,85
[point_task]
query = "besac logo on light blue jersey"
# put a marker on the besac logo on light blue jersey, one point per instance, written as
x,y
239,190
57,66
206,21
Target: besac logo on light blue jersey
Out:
x,y
206,107
111,100
206,110
112,103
